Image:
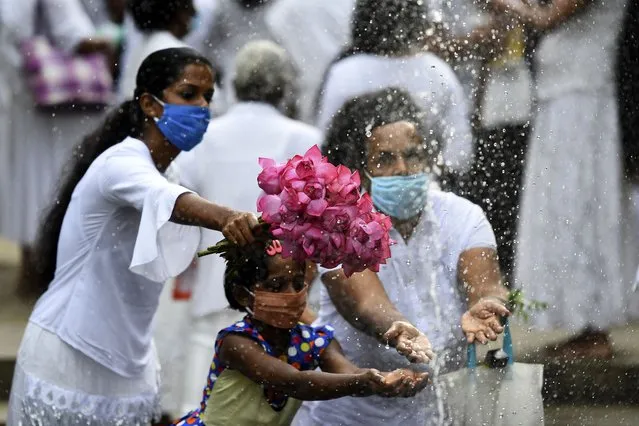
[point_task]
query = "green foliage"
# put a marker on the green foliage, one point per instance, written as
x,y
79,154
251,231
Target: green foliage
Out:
x,y
523,308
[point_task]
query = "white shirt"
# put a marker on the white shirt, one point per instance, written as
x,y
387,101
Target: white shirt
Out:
x,y
148,44
313,32
427,78
462,226
224,168
116,248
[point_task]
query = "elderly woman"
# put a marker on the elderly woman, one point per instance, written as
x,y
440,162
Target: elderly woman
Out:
x,y
443,275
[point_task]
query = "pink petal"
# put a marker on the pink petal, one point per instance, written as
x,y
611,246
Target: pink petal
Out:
x,y
314,153
316,207
266,162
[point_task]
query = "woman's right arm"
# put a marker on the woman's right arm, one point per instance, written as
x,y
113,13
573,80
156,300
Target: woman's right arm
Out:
x,y
362,301
247,356
129,180
191,209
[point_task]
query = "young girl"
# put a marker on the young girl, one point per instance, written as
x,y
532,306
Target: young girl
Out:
x,y
264,365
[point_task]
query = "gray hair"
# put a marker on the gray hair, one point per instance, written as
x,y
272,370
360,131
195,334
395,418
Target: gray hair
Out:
x,y
264,72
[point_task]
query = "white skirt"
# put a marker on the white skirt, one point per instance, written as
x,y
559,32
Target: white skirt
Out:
x,y
57,385
572,241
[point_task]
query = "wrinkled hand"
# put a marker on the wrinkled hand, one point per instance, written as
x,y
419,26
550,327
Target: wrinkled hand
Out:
x,y
409,342
482,321
238,228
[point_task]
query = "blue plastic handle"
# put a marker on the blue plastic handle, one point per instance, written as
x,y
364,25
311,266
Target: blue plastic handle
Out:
x,y
506,347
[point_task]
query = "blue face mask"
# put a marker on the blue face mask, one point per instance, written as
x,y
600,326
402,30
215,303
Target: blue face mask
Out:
x,y
401,197
183,125
194,23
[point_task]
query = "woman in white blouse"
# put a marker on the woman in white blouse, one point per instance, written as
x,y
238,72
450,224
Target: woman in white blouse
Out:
x,y
388,39
114,234
443,275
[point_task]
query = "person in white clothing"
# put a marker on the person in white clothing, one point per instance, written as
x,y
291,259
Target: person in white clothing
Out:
x,y
313,32
232,24
573,245
388,38
37,142
162,24
115,232
443,274
225,168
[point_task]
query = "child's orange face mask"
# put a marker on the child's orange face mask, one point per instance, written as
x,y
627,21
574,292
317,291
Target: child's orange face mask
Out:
x,y
280,310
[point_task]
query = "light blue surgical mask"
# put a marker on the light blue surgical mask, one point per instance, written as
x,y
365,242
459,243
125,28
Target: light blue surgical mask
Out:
x,y
183,125
401,197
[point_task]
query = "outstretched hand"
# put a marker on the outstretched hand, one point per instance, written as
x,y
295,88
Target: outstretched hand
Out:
x,y
482,322
403,383
410,342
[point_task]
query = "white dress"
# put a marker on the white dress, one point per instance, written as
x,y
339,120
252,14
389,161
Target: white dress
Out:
x,y
572,248
313,32
224,168
40,143
421,281
87,356
431,82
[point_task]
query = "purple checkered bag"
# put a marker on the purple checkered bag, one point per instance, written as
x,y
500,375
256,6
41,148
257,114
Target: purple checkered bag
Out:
x,y
57,78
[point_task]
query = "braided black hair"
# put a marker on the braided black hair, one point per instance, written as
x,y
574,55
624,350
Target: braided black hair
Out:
x,y
352,125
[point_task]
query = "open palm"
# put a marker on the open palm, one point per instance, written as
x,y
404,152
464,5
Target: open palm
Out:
x,y
482,321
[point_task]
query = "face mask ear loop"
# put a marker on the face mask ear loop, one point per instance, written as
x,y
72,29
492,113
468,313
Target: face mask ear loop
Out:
x,y
159,101
248,309
156,119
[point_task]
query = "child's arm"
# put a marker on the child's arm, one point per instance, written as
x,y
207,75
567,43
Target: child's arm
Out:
x,y
247,356
333,360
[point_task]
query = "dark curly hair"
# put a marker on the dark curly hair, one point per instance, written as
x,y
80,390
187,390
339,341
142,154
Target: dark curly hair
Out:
x,y
383,28
157,72
156,15
245,266
352,124
388,27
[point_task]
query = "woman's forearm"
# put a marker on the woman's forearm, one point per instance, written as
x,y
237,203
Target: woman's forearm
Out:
x,y
481,275
191,209
557,12
362,301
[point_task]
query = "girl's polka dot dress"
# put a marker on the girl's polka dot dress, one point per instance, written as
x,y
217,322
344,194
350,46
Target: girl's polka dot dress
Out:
x,y
305,348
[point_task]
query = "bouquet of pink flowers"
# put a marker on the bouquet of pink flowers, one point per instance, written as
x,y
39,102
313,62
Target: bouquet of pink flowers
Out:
x,y
316,210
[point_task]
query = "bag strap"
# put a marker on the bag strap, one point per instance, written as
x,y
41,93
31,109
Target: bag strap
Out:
x,y
507,346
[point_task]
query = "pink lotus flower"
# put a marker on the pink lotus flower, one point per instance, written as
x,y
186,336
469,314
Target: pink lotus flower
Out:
x,y
269,178
317,212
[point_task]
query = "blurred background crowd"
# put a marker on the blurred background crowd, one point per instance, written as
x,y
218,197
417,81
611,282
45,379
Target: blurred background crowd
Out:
x,y
532,103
